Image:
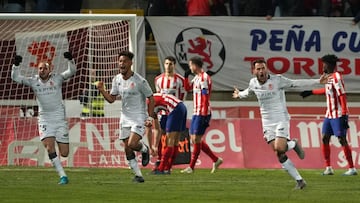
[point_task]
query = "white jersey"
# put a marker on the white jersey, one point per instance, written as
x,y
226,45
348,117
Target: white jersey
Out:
x,y
271,96
133,93
48,93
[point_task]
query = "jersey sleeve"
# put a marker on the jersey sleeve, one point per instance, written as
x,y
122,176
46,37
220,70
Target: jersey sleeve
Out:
x,y
17,77
319,91
70,71
146,89
156,82
188,85
182,90
114,87
289,83
247,92
338,83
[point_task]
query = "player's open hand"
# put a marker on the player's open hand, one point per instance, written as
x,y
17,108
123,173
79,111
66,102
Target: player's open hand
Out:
x,y
149,121
324,78
154,151
236,92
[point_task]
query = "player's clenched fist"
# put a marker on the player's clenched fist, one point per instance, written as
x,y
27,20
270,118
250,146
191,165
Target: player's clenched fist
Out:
x,y
100,85
68,55
17,60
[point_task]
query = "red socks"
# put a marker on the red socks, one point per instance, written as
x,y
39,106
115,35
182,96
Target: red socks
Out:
x,y
325,148
195,155
205,148
348,155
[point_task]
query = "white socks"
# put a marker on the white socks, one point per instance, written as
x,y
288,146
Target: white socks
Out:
x,y
58,167
290,168
135,167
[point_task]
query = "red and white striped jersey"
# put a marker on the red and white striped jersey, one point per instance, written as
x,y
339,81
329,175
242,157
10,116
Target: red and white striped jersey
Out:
x,y
170,85
201,85
166,102
333,90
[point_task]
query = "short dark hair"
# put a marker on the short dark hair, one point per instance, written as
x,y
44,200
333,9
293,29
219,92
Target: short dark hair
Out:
x,y
330,59
128,54
197,61
171,58
258,61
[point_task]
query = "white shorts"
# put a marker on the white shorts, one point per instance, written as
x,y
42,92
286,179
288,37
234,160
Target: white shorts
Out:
x,y
57,129
281,129
125,131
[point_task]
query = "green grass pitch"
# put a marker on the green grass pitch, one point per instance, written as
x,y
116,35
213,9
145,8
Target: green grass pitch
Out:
x,y
38,184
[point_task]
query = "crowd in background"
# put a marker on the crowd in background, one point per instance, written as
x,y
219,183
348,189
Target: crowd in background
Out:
x,y
266,8
40,6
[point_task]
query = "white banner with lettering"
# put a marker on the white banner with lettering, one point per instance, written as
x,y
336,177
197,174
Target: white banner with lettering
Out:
x,y
291,46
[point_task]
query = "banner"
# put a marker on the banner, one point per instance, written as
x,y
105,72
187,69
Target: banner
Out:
x,y
291,46
184,154
36,47
239,141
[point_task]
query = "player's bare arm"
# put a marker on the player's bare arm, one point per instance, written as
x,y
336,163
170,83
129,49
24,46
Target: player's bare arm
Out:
x,y
152,115
110,98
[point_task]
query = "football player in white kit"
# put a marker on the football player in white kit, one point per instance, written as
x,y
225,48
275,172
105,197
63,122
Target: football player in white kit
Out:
x,y
133,90
53,126
269,90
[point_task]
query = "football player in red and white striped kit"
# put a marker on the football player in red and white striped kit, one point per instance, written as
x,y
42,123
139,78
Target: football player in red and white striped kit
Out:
x,y
201,87
336,117
175,124
168,82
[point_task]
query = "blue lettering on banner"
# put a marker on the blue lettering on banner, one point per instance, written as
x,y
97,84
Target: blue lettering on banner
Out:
x,y
341,38
276,40
294,39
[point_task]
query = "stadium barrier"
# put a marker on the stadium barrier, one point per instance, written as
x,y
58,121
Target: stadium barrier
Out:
x,y
94,142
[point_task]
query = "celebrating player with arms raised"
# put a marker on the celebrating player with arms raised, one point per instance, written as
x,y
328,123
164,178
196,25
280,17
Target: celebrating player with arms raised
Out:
x,y
53,126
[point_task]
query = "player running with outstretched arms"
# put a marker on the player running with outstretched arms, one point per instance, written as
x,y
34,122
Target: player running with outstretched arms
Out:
x,y
52,123
270,92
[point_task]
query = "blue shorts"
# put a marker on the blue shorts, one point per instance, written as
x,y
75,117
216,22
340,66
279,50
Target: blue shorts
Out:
x,y
176,120
333,127
163,120
199,124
